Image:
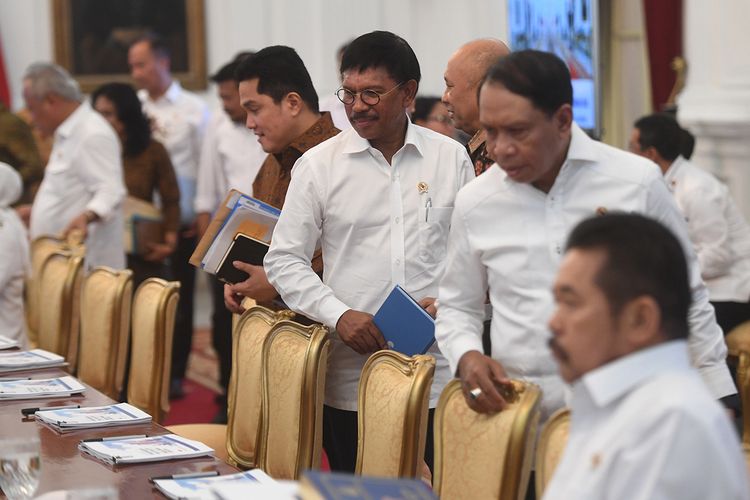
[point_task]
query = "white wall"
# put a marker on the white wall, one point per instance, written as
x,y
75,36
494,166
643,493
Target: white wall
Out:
x,y
316,28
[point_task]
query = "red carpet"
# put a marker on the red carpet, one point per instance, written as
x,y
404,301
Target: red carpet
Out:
x,y
197,407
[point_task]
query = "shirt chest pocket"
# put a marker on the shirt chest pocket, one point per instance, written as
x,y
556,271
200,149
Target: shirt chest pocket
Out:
x,y
433,226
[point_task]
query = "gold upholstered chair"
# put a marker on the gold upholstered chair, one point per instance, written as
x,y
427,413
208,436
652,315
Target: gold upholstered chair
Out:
x,y
245,394
41,248
59,310
152,328
394,393
105,329
550,448
485,456
236,442
738,347
295,359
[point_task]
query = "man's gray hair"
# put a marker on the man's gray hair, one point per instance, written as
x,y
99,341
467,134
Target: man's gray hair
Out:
x,y
47,78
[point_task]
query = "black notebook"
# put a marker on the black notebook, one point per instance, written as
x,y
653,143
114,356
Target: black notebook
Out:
x,y
245,249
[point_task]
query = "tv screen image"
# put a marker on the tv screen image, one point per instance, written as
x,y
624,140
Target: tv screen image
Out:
x,y
567,28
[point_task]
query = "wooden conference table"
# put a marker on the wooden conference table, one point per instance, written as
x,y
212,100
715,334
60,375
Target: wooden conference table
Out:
x,y
65,467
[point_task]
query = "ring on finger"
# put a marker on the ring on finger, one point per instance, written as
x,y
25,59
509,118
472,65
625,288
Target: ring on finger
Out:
x,y
475,393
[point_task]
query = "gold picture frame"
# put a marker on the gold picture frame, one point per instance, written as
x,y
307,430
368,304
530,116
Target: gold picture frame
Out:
x,y
92,36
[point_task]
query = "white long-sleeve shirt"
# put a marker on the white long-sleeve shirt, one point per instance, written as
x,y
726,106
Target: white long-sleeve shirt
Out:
x,y
644,427
84,173
179,119
510,237
15,260
230,159
718,230
371,221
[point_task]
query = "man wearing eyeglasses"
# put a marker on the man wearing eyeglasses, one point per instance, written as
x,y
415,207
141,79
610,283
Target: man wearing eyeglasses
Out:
x,y
378,200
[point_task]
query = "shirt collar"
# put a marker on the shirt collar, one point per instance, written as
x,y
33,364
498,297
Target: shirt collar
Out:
x,y
356,144
65,129
582,147
172,94
320,131
621,376
670,175
476,141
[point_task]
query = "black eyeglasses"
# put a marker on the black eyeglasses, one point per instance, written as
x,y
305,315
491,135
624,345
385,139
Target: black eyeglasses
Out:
x,y
369,97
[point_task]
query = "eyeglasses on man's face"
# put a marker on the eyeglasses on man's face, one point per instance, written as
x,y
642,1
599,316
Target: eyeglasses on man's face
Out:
x,y
367,96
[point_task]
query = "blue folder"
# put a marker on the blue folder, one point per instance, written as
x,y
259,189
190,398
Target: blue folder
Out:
x,y
406,326
342,486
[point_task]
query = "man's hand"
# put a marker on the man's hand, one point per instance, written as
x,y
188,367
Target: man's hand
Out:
x,y
256,286
24,213
428,304
479,371
359,332
157,252
232,300
81,224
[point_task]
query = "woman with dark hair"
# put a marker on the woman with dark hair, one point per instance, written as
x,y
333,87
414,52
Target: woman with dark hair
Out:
x,y
147,168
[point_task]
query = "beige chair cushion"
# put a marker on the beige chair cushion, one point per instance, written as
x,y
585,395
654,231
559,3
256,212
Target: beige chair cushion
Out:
x,y
245,387
294,363
480,455
551,445
105,329
393,402
154,308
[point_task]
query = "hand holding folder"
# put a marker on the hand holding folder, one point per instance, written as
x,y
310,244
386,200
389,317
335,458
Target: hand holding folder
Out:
x,y
406,326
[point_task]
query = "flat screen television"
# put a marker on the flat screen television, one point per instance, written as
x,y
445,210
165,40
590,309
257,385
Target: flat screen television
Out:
x,y
569,29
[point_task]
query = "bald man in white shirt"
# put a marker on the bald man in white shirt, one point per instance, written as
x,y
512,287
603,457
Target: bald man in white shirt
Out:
x,y
643,423
509,228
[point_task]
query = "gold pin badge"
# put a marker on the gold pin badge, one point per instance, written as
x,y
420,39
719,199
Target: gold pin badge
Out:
x,y
596,459
422,187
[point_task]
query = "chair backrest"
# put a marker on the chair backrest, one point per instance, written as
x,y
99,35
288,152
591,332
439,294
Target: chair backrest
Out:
x,y
295,359
738,350
245,394
550,448
152,327
484,456
394,393
41,248
60,286
105,329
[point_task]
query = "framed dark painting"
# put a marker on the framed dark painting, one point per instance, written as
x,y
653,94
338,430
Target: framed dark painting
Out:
x,y
92,38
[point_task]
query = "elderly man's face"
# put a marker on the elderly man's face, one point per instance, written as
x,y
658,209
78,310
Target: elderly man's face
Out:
x,y
529,145
386,118
585,335
460,95
41,110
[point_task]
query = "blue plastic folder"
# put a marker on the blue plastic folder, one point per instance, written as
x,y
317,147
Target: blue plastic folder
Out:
x,y
406,326
341,486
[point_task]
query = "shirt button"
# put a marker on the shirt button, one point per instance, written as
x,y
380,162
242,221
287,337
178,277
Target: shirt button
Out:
x,y
397,219
398,262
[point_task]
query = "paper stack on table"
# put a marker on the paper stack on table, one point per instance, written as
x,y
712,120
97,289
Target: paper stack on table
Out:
x,y
199,488
7,343
29,360
71,419
40,388
138,449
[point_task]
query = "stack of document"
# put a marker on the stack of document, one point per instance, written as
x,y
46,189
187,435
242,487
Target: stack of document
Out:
x,y
29,360
239,215
137,449
71,419
6,343
40,388
198,486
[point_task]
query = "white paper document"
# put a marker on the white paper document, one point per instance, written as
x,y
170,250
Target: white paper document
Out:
x,y
199,488
40,388
70,419
278,490
29,360
128,450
